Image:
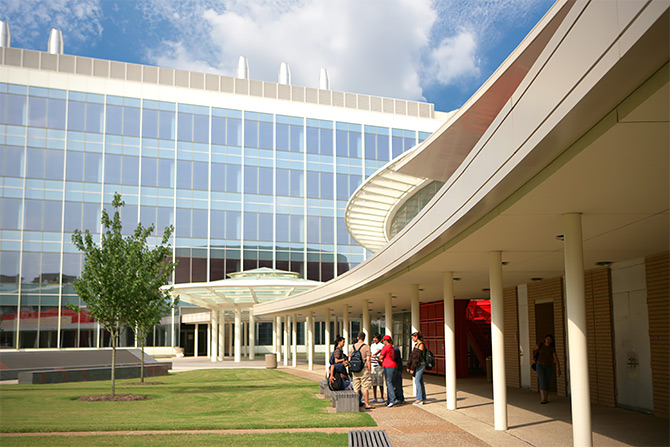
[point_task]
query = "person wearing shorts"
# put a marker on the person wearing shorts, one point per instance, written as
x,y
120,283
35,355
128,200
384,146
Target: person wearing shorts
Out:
x,y
377,370
361,380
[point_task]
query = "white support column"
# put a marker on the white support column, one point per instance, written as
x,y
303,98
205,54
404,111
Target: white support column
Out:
x,y
580,395
416,317
244,338
414,307
238,335
252,335
287,340
310,340
326,340
367,327
231,338
497,341
209,338
222,334
278,334
294,342
195,341
215,334
274,336
388,320
345,327
449,340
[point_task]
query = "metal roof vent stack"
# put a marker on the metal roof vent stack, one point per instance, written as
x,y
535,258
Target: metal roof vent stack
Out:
x,y
284,74
55,41
5,35
324,80
242,68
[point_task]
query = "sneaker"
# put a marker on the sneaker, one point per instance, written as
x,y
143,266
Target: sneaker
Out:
x,y
418,402
391,404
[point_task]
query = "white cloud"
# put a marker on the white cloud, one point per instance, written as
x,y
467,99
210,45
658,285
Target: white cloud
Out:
x,y
30,20
454,58
372,46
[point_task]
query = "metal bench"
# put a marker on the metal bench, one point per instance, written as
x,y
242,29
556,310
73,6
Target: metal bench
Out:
x,y
369,438
345,401
323,389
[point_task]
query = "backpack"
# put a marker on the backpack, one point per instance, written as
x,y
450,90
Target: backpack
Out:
x,y
356,360
336,384
430,360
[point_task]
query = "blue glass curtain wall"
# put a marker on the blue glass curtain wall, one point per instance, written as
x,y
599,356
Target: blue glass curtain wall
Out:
x,y
244,189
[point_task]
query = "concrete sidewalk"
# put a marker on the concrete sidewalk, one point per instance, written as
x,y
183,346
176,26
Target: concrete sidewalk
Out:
x,y
472,423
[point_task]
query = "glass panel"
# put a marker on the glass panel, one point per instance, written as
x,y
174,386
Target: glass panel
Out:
x,y
234,133
297,140
200,176
201,128
34,163
250,226
251,180
166,125
112,168
199,224
265,181
233,225
11,214
37,111
282,137
56,117
53,212
264,227
283,183
93,168
114,120
326,142
312,184
13,161
131,170
91,217
250,133
165,173
75,166
76,116
312,140
218,130
185,127
33,215
149,171
233,178
54,165
72,217
218,177
94,117
16,110
131,122
149,123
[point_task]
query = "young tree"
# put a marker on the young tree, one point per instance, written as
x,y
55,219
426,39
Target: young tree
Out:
x,y
118,275
152,302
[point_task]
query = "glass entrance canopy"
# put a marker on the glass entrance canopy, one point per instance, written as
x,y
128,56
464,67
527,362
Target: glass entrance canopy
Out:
x,y
243,289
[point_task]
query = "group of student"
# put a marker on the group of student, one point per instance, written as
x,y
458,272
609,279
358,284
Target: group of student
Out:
x,y
368,368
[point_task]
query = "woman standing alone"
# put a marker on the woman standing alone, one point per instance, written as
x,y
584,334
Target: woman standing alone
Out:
x,y
417,364
545,355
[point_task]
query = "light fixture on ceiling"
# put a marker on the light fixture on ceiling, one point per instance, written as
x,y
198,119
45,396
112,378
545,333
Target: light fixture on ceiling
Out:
x,y
421,289
505,263
604,263
560,237
486,290
457,278
537,278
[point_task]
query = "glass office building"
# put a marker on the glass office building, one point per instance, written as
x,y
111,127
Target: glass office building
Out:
x,y
251,174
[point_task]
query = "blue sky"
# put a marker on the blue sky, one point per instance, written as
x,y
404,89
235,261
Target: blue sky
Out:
x,y
440,51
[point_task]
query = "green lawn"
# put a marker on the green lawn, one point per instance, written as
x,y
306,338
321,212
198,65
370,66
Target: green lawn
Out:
x,y
180,440
204,399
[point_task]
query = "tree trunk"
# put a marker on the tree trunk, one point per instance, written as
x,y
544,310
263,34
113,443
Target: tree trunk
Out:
x,y
113,334
142,369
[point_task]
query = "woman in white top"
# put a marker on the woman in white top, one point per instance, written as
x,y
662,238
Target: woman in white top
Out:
x,y
377,370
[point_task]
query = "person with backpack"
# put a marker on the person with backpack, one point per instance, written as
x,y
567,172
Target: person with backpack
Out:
x,y
338,377
397,379
416,366
359,366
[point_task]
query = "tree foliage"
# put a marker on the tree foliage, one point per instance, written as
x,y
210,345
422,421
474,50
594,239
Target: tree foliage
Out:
x,y
122,277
